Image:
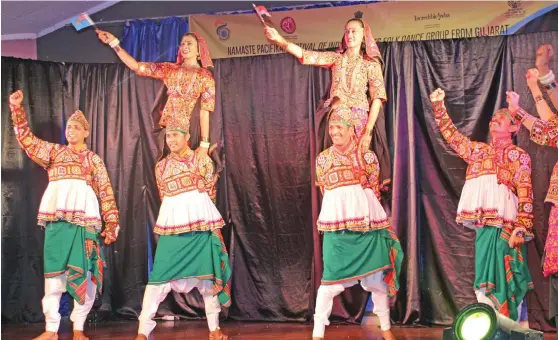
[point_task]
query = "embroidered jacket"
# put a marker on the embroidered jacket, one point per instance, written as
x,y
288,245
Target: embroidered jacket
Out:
x,y
511,165
176,175
184,87
335,169
63,162
351,79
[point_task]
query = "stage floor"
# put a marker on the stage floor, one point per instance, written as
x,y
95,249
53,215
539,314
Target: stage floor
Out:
x,y
174,330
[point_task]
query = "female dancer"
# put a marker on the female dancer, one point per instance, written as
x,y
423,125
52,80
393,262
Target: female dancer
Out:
x,y
188,80
356,76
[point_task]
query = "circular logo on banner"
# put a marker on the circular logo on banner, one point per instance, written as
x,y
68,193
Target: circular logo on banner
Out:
x,y
514,4
222,31
515,10
288,25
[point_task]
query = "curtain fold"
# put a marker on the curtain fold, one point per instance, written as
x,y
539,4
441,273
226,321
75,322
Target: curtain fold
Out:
x,y
265,121
23,183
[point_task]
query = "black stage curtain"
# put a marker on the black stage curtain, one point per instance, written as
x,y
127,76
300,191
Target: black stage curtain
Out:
x,y
265,117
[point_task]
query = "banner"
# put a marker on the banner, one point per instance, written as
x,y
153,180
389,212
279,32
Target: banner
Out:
x,y
241,35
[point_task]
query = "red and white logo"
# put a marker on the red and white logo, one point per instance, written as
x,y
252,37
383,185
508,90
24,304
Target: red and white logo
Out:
x,y
288,25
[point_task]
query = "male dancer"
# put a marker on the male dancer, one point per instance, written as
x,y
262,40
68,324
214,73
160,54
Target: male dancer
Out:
x,y
190,253
69,211
358,244
496,201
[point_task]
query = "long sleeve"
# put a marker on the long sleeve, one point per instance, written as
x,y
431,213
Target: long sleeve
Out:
x,y
376,82
37,149
324,59
207,173
371,167
208,93
522,182
154,70
462,145
320,171
102,187
159,169
545,133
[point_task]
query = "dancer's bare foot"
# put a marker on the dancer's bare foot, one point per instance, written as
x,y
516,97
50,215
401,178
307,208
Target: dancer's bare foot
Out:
x,y
316,338
217,335
140,337
47,336
79,335
388,335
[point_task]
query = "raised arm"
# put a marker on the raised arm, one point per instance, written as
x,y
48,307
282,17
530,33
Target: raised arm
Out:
x,y
542,132
462,145
547,78
273,36
543,109
145,69
37,149
316,58
108,39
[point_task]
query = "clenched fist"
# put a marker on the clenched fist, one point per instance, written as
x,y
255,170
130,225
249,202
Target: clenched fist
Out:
x,y
16,98
438,95
513,101
544,54
273,36
105,37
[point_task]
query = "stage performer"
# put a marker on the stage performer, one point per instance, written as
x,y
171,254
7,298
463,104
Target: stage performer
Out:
x,y
496,201
544,131
357,80
190,253
358,242
188,80
70,213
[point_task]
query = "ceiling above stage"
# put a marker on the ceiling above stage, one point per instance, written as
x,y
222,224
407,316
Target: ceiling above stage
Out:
x,y
33,19
22,19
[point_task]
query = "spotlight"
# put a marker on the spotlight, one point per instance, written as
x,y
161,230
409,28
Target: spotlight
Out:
x,y
480,321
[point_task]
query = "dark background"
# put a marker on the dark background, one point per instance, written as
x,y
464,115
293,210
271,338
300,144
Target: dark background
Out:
x,y
265,122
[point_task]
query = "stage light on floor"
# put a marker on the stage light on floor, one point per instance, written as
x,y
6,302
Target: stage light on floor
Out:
x,y
475,322
480,321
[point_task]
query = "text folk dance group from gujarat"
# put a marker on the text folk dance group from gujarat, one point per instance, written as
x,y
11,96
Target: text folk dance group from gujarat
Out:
x,y
359,245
